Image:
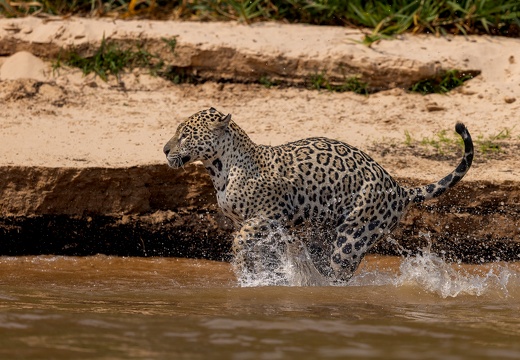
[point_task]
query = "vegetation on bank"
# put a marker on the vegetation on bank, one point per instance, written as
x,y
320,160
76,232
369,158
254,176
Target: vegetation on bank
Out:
x,y
444,141
442,83
112,58
319,81
380,18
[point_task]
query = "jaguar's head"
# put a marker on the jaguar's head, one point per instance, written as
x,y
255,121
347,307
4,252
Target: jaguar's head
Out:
x,y
197,138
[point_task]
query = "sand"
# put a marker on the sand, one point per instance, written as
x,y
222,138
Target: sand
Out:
x,y
65,119
60,130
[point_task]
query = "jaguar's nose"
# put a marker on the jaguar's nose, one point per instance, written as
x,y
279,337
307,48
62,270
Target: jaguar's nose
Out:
x,y
166,149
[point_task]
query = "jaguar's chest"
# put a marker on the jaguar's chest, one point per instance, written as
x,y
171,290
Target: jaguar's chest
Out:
x,y
230,207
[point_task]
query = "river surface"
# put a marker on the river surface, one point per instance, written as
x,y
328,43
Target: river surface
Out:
x,y
102,307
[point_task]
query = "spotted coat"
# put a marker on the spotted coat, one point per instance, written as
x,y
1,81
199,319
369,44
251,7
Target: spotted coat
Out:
x,y
334,196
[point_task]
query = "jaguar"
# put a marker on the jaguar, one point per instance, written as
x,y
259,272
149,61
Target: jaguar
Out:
x,y
332,196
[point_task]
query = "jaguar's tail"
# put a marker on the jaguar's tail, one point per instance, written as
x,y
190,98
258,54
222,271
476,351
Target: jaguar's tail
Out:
x,y
438,188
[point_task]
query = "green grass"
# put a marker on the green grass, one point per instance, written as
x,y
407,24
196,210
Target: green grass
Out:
x,y
171,43
443,142
179,75
112,59
383,18
408,141
442,83
267,82
319,81
491,143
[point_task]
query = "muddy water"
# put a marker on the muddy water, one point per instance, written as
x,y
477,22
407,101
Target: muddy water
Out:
x,y
108,308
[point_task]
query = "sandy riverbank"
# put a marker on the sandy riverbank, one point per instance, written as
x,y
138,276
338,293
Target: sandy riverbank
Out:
x,y
77,148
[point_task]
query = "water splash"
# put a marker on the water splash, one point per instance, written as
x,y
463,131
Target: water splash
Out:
x,y
277,260
433,274
280,260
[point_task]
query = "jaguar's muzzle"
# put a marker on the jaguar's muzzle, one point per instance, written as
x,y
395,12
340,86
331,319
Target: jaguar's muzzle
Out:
x,y
176,161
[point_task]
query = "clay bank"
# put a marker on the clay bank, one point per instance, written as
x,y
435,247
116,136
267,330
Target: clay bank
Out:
x,y
81,163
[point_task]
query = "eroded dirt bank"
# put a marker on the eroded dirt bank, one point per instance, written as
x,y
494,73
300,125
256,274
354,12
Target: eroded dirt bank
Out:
x,y
81,165
155,211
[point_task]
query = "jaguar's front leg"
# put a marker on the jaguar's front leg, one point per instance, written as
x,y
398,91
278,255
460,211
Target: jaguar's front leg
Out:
x,y
258,246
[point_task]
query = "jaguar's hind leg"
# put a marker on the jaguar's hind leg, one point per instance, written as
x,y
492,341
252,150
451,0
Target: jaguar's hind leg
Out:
x,y
353,241
348,253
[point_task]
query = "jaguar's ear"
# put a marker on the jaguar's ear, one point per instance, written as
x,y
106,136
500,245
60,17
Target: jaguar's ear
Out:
x,y
225,119
222,123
